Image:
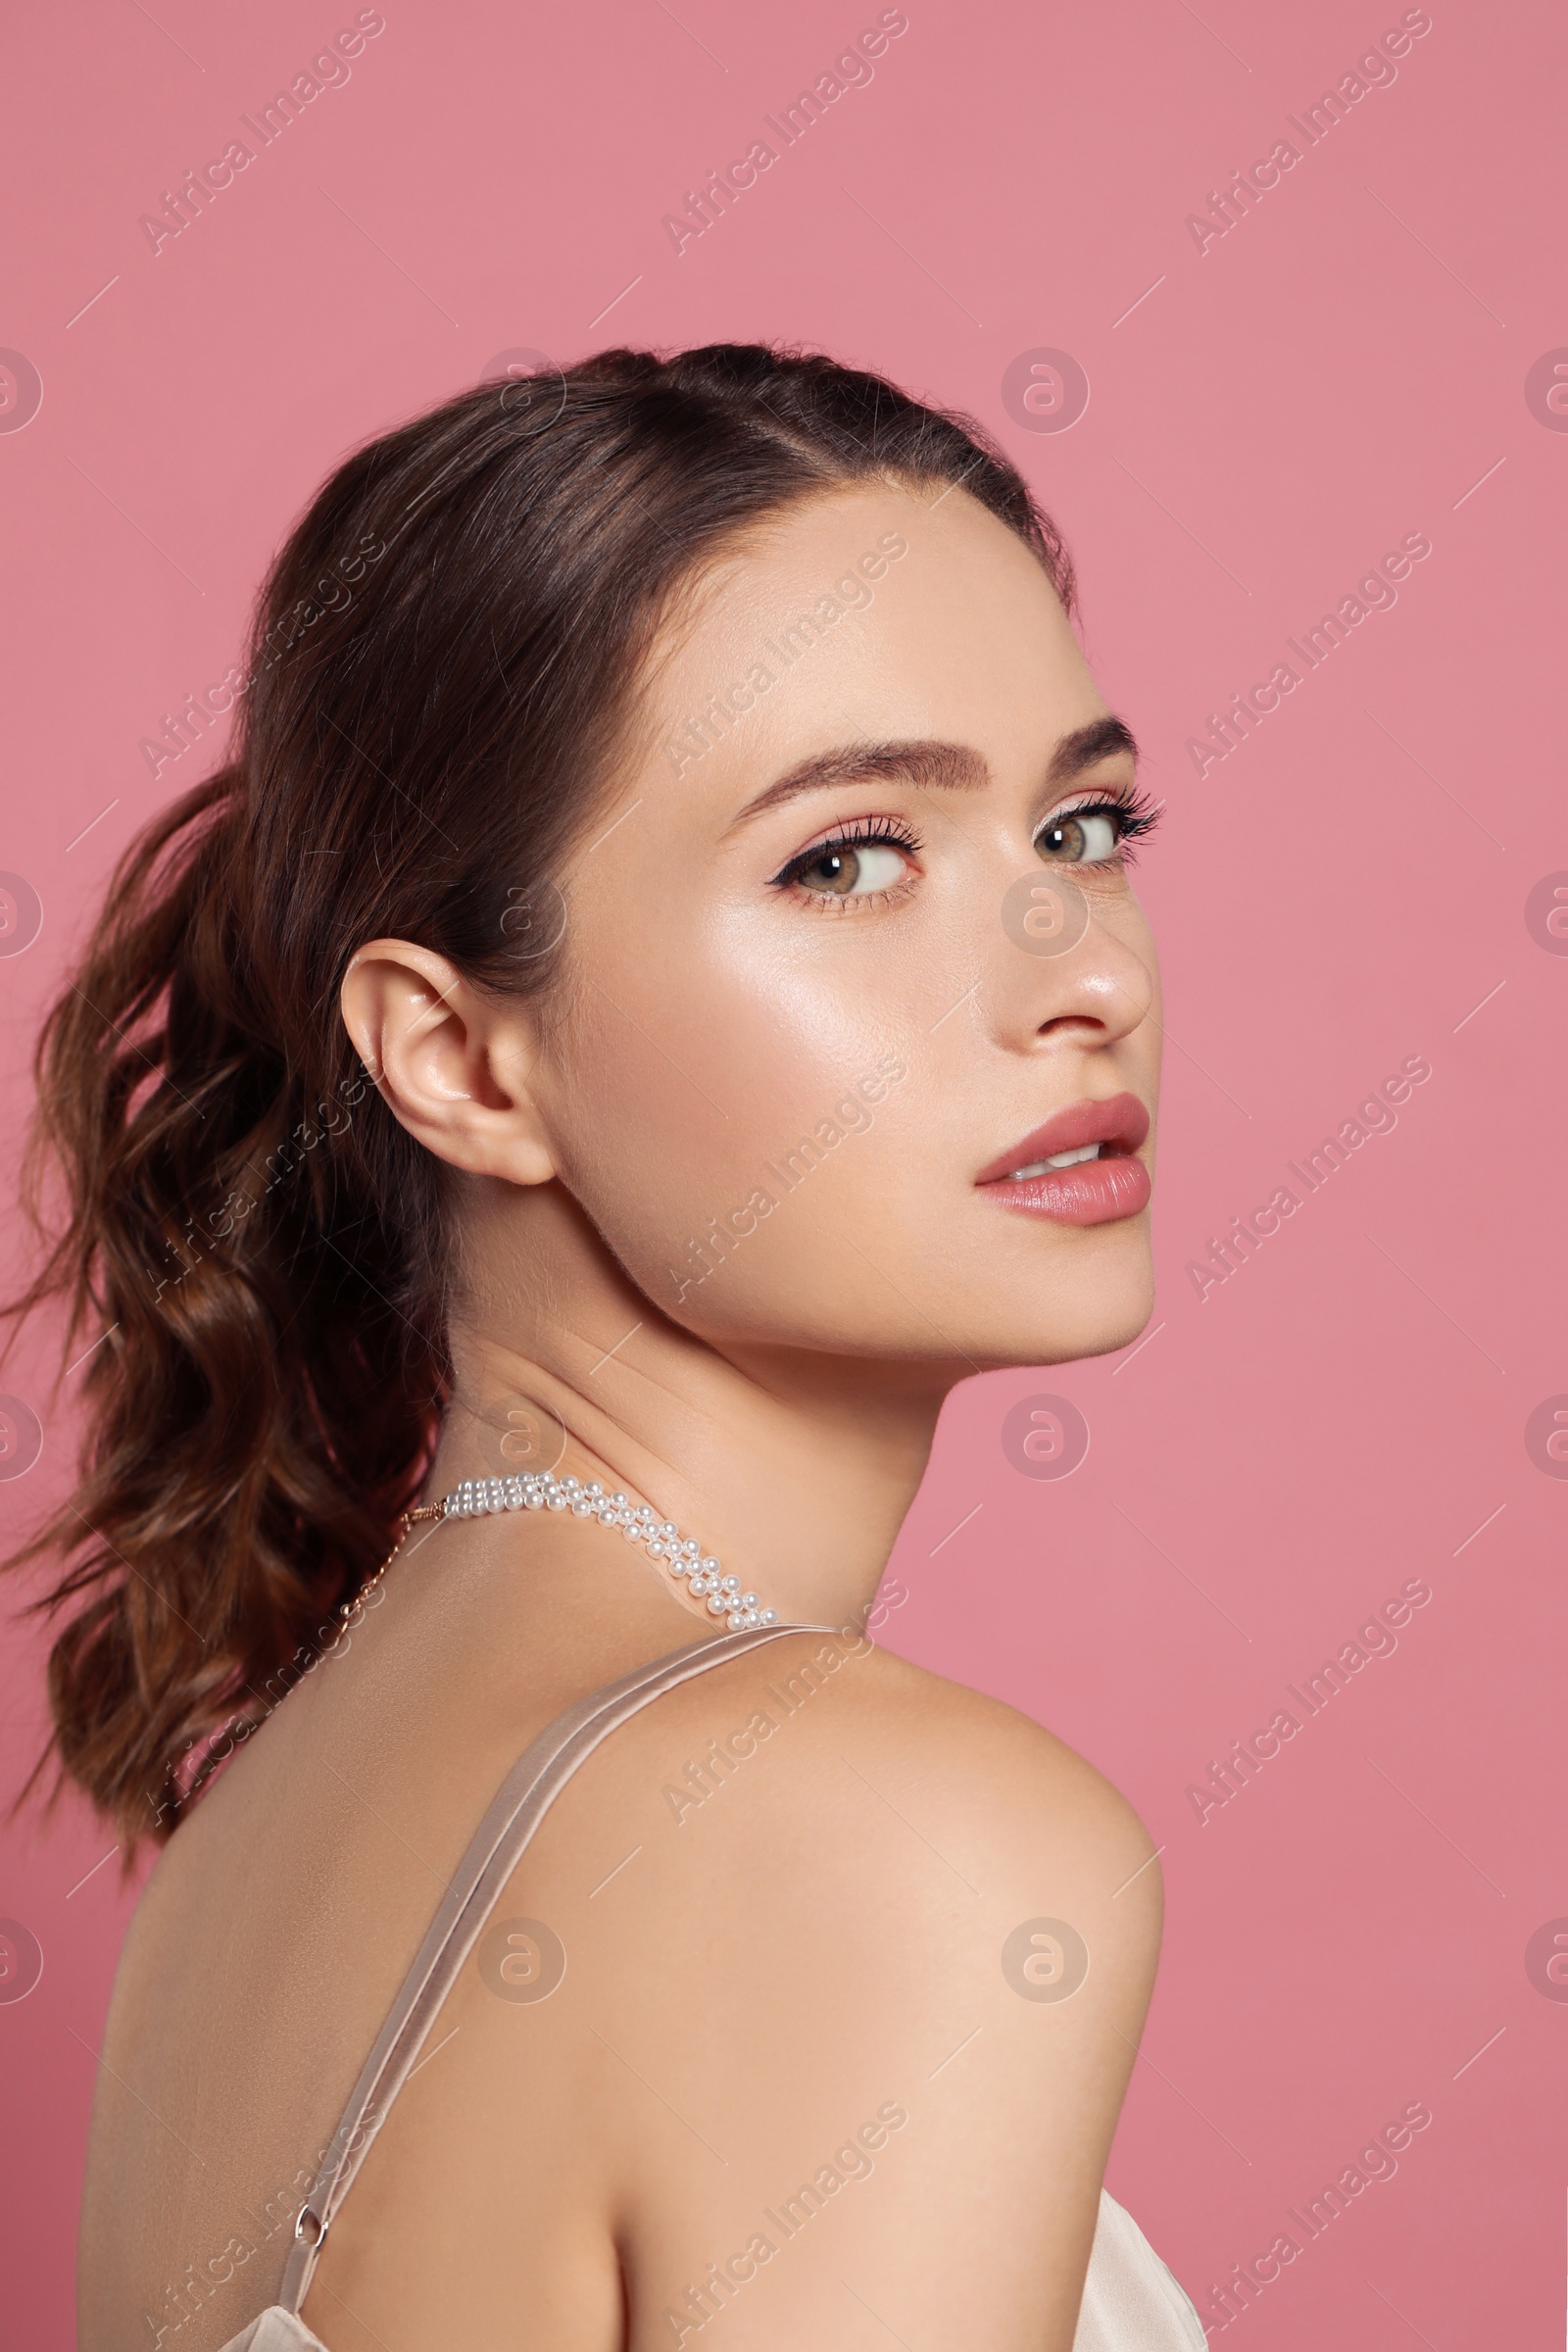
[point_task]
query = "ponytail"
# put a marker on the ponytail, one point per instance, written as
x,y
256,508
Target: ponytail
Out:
x,y
258,1416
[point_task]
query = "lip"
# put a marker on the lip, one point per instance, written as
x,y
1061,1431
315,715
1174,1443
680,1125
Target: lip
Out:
x,y
1094,1192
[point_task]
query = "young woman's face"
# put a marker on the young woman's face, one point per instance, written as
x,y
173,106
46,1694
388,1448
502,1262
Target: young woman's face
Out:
x,y
840,951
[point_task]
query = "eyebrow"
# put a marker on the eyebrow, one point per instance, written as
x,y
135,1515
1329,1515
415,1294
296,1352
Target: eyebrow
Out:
x,y
954,766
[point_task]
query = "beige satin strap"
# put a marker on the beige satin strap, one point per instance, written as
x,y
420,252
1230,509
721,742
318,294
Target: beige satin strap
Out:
x,y
523,1798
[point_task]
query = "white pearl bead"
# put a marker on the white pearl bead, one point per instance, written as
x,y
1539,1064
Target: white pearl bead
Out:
x,y
541,1490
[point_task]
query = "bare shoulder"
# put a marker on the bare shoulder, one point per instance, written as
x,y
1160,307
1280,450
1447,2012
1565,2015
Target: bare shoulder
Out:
x,y
995,1749
1015,1799
844,1831
821,1969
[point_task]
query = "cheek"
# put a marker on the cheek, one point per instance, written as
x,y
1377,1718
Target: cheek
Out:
x,y
719,1069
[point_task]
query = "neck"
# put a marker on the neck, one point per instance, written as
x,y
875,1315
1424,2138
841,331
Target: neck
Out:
x,y
795,1469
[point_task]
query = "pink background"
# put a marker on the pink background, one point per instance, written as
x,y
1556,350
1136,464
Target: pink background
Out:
x,y
1347,889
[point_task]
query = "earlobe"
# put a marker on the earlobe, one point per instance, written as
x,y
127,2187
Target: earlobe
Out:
x,y
452,1063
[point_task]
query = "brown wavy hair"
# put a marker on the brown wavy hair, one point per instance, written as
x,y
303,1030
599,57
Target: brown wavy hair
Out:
x,y
443,661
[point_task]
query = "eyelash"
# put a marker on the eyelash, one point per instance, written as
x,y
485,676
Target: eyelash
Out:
x,y
1134,815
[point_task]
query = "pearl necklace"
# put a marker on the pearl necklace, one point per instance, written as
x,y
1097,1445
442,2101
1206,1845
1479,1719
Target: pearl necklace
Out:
x,y
541,1490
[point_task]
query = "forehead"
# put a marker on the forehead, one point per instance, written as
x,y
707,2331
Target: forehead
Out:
x,y
877,610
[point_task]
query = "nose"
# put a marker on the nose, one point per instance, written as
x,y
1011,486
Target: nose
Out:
x,y
1068,962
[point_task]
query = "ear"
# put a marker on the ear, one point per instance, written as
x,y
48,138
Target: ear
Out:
x,y
452,1063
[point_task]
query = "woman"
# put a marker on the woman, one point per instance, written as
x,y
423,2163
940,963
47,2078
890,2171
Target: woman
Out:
x,y
654,1003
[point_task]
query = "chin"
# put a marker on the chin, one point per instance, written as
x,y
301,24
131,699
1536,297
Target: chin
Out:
x,y
1091,1308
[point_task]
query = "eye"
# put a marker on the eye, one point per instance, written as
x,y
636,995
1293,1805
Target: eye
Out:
x,y
860,863
1095,833
850,874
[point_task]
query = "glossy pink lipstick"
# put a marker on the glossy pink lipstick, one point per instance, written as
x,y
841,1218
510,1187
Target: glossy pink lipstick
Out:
x,y
1097,1176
